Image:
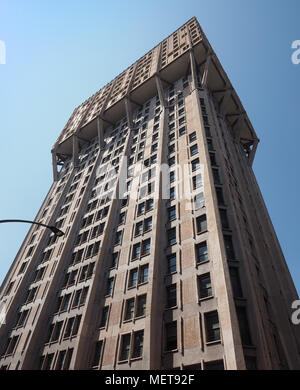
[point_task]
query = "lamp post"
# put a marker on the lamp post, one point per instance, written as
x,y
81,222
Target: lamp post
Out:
x,y
54,229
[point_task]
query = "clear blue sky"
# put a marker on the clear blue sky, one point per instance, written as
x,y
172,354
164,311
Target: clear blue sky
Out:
x,y
61,52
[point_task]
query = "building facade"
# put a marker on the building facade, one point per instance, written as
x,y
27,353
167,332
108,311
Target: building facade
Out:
x,y
169,259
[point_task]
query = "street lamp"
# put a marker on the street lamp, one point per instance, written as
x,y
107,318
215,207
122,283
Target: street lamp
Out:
x,y
54,229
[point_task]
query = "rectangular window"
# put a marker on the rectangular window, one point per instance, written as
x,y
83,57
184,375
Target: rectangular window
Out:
x,y
141,305
136,251
171,263
129,309
212,326
109,286
199,201
192,136
172,213
195,164
118,238
143,277
171,234
194,150
224,219
125,347
216,176
220,197
243,325
235,282
146,247
171,296
171,336
138,339
229,247
138,229
104,316
97,353
201,252
204,283
172,176
201,224
133,275
197,181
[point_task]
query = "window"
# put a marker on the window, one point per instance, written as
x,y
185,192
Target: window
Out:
x,y
171,148
31,295
138,228
141,305
64,359
201,224
171,234
97,353
172,176
229,247
172,193
197,181
147,224
171,263
171,296
55,330
122,218
171,161
216,176
194,150
213,161
204,283
201,252
118,238
141,208
171,336
22,317
243,325
131,342
199,201
182,131
86,272
195,164
192,136
181,121
143,277
216,365
146,247
104,316
133,275
114,260
207,131
210,145
138,339
212,326
109,286
72,327
136,251
224,219
125,347
80,297
129,309
149,205
12,342
63,303
235,282
220,197
172,213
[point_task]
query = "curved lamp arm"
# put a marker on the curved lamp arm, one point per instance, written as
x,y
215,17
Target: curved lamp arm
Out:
x,y
54,229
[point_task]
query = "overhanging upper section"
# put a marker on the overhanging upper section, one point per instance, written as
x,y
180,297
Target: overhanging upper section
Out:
x,y
170,60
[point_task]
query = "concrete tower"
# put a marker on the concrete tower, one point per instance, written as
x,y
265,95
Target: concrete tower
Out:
x,y
169,257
